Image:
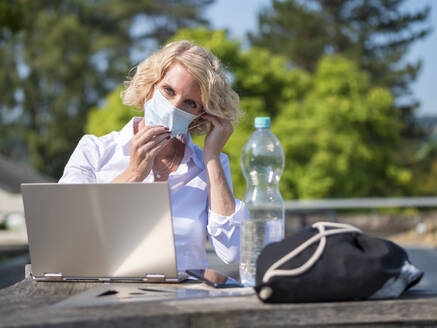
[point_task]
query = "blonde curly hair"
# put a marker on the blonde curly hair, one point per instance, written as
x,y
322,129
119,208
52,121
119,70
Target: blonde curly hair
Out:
x,y
217,96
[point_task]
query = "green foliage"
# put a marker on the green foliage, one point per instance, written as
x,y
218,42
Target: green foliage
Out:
x,y
375,34
112,116
217,42
340,139
424,167
60,58
339,134
11,16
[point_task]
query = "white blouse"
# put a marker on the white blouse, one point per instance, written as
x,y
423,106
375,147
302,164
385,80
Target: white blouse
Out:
x,y
102,159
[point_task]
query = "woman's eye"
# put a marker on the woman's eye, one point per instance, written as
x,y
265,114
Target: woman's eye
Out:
x,y
169,91
191,103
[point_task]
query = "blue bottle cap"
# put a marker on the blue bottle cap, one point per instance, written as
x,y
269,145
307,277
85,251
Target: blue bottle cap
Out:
x,y
262,122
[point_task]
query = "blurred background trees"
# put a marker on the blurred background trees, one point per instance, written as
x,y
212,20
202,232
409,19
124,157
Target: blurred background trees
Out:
x,y
375,34
60,58
331,75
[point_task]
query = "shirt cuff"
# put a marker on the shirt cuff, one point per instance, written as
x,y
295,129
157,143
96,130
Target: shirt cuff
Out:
x,y
218,224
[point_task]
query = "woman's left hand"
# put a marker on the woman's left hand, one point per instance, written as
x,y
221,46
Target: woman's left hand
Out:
x,y
218,135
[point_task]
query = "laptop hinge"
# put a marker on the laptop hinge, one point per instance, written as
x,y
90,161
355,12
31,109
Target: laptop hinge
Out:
x,y
155,277
53,276
105,279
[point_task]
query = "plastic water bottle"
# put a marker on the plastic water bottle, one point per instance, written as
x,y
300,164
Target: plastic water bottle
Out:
x,y
262,162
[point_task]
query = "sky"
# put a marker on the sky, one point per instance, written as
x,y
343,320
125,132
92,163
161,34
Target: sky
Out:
x,y
240,17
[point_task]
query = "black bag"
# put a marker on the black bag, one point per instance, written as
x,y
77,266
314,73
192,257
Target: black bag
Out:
x,y
332,262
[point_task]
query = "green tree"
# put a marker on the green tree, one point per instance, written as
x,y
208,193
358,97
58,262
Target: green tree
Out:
x,y
341,139
376,34
112,116
424,167
60,58
11,15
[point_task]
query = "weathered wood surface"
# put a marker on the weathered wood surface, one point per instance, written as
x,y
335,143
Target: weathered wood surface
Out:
x,y
28,304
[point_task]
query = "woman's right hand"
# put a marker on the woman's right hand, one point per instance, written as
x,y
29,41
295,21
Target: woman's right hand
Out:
x,y
144,146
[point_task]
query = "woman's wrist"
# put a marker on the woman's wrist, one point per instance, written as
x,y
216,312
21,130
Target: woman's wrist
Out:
x,y
220,195
211,157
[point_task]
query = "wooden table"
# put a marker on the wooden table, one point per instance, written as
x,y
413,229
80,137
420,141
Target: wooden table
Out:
x,y
29,304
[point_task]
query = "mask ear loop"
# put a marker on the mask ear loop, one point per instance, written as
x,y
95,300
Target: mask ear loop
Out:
x,y
195,126
200,123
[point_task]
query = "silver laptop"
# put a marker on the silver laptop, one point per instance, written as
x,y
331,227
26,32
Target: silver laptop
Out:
x,y
105,232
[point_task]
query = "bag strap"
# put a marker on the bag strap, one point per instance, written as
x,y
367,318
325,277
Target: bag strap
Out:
x,y
337,228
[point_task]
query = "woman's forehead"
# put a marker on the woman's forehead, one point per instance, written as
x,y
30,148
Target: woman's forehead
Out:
x,y
179,78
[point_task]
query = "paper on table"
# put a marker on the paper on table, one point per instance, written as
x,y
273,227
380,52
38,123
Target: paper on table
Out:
x,y
127,293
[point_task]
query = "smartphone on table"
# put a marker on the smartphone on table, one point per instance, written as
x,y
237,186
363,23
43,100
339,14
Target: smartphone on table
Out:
x,y
214,278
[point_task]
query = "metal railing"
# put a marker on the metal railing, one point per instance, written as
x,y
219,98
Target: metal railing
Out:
x,y
330,207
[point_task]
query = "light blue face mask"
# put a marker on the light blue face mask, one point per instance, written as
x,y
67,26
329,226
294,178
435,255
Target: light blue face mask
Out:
x,y
159,111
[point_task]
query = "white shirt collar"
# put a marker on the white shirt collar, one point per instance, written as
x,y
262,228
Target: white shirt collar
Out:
x,y
124,136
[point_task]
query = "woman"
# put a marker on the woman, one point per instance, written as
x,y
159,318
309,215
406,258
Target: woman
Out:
x,y
182,88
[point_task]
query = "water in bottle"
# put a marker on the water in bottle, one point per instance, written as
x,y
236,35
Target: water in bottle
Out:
x,y
262,163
